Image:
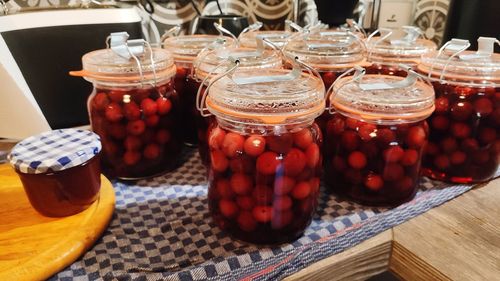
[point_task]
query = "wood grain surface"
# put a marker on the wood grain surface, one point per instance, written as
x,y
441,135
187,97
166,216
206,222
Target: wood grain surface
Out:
x,y
34,247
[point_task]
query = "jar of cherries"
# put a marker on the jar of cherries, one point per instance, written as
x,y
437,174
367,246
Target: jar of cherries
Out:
x,y
133,107
185,48
331,54
376,136
214,61
386,53
265,167
464,143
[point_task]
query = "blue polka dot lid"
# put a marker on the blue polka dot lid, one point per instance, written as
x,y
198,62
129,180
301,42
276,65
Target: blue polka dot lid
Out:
x,y
54,151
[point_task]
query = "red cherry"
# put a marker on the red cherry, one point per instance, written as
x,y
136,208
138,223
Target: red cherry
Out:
x,y
242,164
136,127
460,130
431,148
416,137
262,214
374,182
181,72
352,123
339,163
301,190
367,131
262,194
116,95
483,106
303,138
245,202
152,151
113,112
162,136
241,184
100,101
282,203
218,161
131,157
109,147
232,144
305,175
131,111
223,188
216,138
464,91
369,148
442,104
457,157
328,78
335,126
406,183
246,222
410,157
449,144
283,185
461,111
141,94
385,136
148,106
254,145
315,182
163,105
280,144
440,122
294,162
469,145
487,135
349,140
152,120
441,162
267,163
393,172
357,160
393,154
313,155
228,208
281,219
132,143
117,131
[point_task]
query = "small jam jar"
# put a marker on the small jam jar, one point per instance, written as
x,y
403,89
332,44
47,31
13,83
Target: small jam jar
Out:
x,y
464,144
185,49
386,53
331,54
265,167
60,170
376,136
134,108
215,61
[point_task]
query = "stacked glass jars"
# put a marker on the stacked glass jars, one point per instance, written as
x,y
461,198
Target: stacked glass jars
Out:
x,y
214,61
265,166
386,53
330,54
133,108
185,49
376,135
464,141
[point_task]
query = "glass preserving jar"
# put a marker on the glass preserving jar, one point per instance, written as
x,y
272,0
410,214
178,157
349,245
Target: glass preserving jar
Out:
x,y
59,170
214,61
464,143
133,107
376,135
331,54
185,48
386,53
265,166
277,37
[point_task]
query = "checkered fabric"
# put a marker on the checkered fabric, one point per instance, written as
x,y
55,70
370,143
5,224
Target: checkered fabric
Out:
x,y
54,151
162,230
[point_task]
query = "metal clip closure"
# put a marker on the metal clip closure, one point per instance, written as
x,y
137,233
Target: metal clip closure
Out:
x,y
294,26
174,31
253,27
223,31
455,47
410,79
221,53
485,48
358,73
294,74
353,25
412,34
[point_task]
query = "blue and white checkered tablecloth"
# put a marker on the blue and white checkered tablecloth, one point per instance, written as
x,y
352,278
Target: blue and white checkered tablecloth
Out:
x,y
162,230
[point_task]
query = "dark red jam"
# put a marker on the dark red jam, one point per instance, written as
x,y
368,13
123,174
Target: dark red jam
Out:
x,y
186,87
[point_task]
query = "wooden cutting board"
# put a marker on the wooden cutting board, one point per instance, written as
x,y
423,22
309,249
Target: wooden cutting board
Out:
x,y
34,247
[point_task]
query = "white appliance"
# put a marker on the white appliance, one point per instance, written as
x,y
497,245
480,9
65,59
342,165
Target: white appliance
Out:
x,y
37,50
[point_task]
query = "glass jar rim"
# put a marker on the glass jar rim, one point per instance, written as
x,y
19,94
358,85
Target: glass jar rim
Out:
x,y
185,48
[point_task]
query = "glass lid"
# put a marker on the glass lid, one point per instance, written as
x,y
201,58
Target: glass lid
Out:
x,y
187,47
383,98
276,37
454,62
